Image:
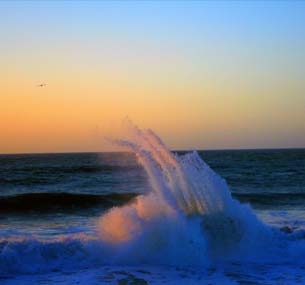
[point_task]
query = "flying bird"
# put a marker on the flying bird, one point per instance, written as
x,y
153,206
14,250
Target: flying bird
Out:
x,y
42,85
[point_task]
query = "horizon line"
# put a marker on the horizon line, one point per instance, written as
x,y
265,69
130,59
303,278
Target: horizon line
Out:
x,y
173,150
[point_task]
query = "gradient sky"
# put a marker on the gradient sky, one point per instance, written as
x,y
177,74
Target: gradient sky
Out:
x,y
205,75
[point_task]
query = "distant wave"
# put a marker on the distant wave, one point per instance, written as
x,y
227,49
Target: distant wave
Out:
x,y
271,199
28,176
51,202
76,169
97,168
48,202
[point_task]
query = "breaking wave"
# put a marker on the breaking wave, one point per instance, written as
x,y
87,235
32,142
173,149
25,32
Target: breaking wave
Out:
x,y
188,218
30,255
51,202
187,197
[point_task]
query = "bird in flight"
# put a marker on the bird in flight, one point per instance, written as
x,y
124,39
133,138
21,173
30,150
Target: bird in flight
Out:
x,y
42,85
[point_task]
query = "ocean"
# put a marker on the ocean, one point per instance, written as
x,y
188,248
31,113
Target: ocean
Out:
x,y
68,217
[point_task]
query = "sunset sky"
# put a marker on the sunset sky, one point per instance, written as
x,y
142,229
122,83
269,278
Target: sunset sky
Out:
x,y
203,75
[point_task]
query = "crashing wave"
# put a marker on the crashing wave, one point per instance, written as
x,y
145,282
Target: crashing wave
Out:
x,y
189,218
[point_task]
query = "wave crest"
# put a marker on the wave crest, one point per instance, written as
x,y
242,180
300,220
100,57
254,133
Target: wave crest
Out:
x,y
51,202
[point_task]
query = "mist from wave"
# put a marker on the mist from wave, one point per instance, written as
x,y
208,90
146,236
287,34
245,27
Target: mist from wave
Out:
x,y
185,217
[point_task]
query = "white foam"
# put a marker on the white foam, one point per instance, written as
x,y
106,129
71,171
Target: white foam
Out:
x,y
185,190
188,219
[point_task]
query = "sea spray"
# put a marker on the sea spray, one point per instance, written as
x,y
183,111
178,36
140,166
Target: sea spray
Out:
x,y
189,216
187,219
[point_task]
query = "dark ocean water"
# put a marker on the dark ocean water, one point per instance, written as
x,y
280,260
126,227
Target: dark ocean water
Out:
x,y
265,178
49,194
51,206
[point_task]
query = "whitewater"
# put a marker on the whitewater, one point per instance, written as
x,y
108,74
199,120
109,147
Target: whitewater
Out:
x,y
187,229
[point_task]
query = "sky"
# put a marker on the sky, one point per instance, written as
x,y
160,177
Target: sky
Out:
x,y
202,75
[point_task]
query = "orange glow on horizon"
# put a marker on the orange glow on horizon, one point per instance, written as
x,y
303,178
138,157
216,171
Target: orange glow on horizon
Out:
x,y
197,83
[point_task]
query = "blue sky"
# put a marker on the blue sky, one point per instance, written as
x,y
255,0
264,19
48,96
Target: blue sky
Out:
x,y
232,72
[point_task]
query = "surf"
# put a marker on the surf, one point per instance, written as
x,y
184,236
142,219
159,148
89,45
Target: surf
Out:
x,y
187,218
189,215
